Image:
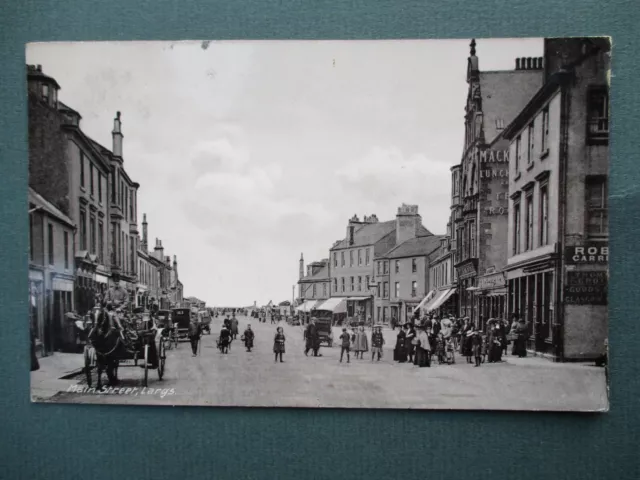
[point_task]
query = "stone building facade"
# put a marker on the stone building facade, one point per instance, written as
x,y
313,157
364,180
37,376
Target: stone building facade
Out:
x,y
315,283
557,269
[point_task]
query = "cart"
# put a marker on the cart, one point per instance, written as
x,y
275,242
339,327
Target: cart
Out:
x,y
136,354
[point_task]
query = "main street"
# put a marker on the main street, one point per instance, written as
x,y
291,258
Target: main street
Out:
x,y
255,379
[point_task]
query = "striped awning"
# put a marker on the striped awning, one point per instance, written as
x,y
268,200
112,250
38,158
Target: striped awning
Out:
x,y
335,305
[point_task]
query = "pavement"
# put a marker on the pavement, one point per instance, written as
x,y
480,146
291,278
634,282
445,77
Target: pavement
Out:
x,y
254,379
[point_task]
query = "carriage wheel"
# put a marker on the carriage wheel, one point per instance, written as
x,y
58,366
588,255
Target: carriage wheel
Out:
x,y
162,355
146,365
88,366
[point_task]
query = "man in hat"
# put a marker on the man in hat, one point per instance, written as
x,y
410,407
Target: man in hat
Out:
x,y
115,300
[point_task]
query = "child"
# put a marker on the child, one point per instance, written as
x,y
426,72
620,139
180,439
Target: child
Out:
x,y
377,341
346,342
278,344
477,347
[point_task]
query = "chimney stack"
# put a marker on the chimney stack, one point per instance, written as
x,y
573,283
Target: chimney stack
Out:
x,y
408,222
517,64
117,136
144,245
159,250
301,271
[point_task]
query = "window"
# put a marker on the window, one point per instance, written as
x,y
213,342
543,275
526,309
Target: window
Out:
x,y
313,293
414,288
499,124
45,92
386,290
132,253
530,143
113,188
342,284
529,225
516,228
473,247
414,265
386,267
342,259
50,238
397,266
83,229
397,290
598,114
131,205
359,257
544,136
518,153
335,285
597,206
81,169
353,284
66,250
368,258
100,242
366,285
324,289
544,215
335,259
359,284
114,244
99,187
92,233
379,264
351,258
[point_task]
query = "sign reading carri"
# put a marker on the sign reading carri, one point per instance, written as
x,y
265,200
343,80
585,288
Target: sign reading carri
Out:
x,y
587,253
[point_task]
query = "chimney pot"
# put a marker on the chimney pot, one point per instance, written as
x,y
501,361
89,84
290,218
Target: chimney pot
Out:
x,y
528,63
39,68
517,64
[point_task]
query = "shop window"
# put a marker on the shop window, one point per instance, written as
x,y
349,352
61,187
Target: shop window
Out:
x,y
597,206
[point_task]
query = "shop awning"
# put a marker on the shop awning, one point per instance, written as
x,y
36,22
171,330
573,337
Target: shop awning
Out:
x,y
426,299
443,298
335,305
101,278
358,299
307,306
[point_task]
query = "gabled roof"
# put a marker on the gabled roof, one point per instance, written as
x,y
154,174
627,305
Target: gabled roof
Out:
x,y
38,200
371,233
415,247
504,94
322,274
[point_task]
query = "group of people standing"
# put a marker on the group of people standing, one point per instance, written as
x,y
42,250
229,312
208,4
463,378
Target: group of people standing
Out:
x,y
358,340
418,341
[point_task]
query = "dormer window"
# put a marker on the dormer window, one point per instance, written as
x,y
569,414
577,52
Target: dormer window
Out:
x,y
45,92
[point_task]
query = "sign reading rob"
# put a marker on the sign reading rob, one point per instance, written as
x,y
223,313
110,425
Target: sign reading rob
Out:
x,y
587,253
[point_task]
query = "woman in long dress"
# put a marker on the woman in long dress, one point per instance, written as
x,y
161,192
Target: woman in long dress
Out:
x,y
360,344
278,344
399,353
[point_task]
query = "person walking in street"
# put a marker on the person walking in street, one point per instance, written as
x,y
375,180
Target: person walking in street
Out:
x,y
313,338
234,326
247,338
278,344
410,346
521,338
399,352
477,346
377,342
227,323
345,343
195,332
224,341
361,345
394,323
466,344
424,348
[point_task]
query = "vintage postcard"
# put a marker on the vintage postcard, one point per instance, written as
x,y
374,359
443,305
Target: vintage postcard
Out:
x,y
346,224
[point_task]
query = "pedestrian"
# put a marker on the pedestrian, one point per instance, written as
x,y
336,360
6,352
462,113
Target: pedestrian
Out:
x,y
315,337
234,325
466,344
410,346
195,331
278,344
227,323
423,348
247,338
377,342
360,344
224,340
521,338
399,352
477,346
345,339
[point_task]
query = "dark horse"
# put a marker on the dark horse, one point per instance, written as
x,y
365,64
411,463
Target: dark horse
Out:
x,y
109,348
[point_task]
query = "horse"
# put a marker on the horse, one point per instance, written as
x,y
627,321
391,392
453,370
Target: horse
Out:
x,y
109,348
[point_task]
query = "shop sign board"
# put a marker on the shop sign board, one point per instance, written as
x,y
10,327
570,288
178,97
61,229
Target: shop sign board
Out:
x,y
586,288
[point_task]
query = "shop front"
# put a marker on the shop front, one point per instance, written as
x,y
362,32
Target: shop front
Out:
x,y
63,334
492,297
36,309
359,308
467,298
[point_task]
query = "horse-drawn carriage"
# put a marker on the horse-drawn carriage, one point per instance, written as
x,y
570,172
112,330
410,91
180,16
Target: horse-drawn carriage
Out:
x,y
139,344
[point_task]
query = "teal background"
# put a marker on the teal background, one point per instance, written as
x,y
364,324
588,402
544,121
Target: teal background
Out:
x,y
80,442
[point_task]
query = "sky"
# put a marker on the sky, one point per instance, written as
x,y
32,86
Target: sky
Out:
x,y
251,153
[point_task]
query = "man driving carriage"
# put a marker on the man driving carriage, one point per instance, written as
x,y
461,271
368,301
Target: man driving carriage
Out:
x,y
115,300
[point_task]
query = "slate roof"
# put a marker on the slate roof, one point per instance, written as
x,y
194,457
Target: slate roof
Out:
x,y
322,274
504,95
39,201
415,247
371,233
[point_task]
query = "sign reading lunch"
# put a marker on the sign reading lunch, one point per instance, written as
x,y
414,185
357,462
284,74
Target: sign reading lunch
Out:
x,y
493,166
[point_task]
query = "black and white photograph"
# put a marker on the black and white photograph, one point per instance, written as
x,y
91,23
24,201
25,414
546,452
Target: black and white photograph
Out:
x,y
388,224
